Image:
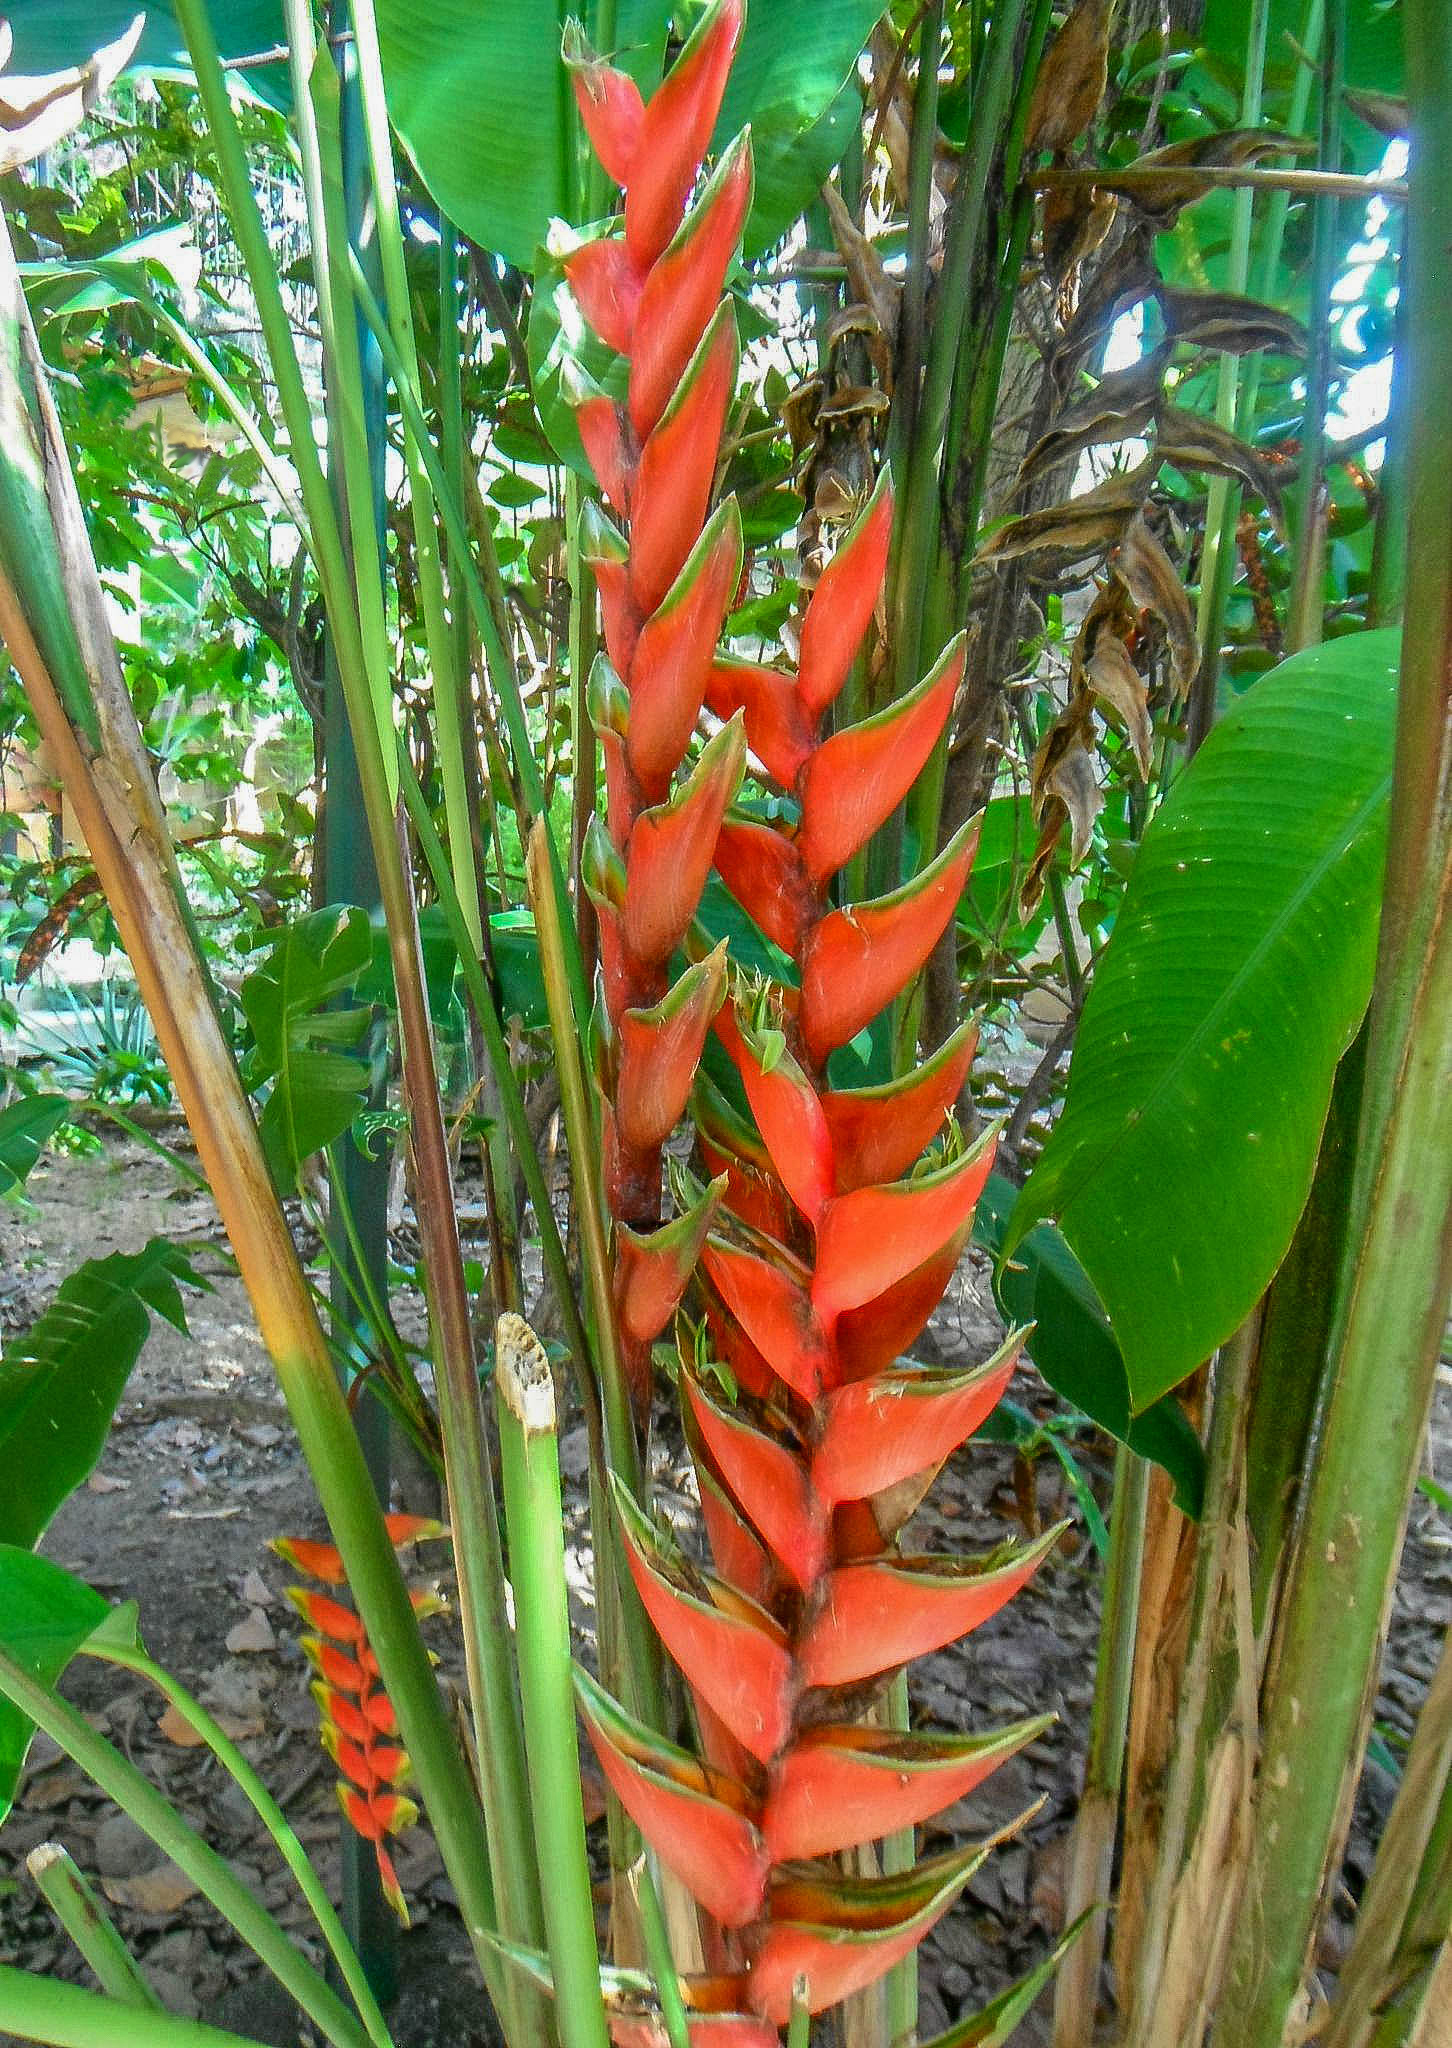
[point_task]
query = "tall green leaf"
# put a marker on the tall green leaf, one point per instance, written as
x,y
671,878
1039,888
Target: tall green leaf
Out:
x,y
45,1616
1237,974
304,1053
1072,1345
60,1382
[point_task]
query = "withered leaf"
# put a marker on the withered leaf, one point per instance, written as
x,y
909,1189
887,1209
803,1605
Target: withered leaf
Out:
x,y
37,113
1086,525
1119,407
1071,80
1125,280
1113,677
1148,574
1074,224
853,400
1063,790
1162,200
1225,321
162,1890
870,282
1192,441
1388,116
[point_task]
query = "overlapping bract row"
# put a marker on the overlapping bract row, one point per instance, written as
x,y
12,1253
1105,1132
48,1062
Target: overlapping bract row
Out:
x,y
357,1722
666,576
830,1230
837,1233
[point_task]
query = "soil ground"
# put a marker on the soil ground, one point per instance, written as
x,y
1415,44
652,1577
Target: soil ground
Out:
x,y
202,1468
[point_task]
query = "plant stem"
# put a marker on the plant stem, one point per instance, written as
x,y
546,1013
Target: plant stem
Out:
x,y
1223,177
919,476
1091,1856
109,783
72,1898
658,1950
529,1454
120,1780
637,1646
279,1828
1381,1956
66,2016
1397,1273
1222,508
899,1854
1307,602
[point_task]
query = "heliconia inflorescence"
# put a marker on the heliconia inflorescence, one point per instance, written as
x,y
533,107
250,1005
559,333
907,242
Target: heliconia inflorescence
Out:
x,y
357,1723
667,575
836,1216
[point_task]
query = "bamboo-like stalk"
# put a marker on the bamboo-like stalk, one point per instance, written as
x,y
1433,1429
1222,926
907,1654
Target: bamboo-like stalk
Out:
x,y
154,1814
1398,1271
529,1454
102,764
73,1899
1222,505
271,1815
1219,566
354,614
1307,602
918,475
1379,1960
1196,1726
66,2016
1225,177
1091,1855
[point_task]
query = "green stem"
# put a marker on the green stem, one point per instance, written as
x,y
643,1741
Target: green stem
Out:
x,y
1222,508
529,1455
1217,576
616,1597
496,1047
1413,1848
112,789
76,1904
1091,1855
899,1854
120,1780
1386,591
658,1950
919,478
271,1815
922,152
65,2016
1307,602
1397,1274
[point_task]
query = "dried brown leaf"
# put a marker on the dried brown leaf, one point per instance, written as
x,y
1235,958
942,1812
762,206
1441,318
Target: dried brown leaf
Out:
x,y
1149,576
1074,224
1234,325
163,1890
1113,678
870,282
1191,441
1231,150
1388,116
1120,407
1064,790
1071,80
1087,525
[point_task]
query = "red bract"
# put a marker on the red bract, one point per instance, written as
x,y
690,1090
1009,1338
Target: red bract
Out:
x,y
666,577
356,1716
831,1230
833,1238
